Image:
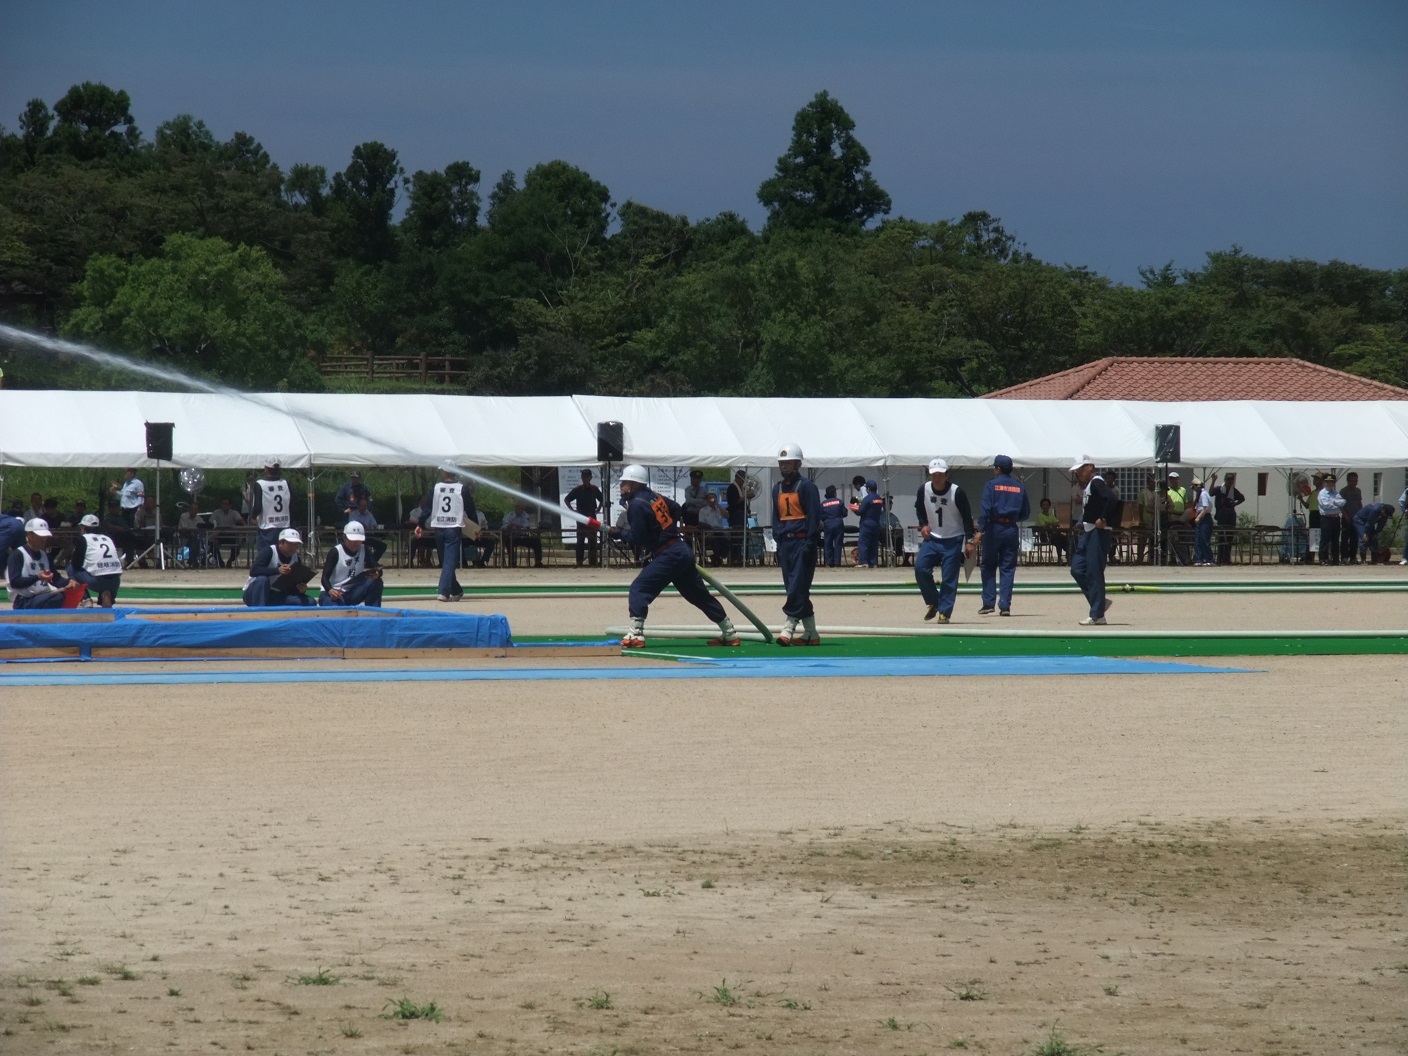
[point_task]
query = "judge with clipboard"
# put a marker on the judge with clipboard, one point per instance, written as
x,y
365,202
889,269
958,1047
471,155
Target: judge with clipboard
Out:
x,y
279,576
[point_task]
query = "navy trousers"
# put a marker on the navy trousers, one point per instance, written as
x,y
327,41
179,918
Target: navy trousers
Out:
x,y
99,585
833,543
364,590
1088,569
675,564
50,599
448,541
258,595
797,559
1000,546
868,544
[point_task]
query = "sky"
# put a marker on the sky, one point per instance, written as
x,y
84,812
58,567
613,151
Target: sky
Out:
x,y
1110,135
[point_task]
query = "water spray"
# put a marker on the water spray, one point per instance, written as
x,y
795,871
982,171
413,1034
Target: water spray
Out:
x,y
176,377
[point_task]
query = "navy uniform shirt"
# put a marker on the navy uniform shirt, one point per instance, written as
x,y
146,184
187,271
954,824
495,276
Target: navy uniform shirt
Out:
x,y
833,512
654,521
1004,502
796,507
872,509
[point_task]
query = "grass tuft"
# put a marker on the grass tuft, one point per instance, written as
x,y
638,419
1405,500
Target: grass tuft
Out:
x,y
322,977
405,1008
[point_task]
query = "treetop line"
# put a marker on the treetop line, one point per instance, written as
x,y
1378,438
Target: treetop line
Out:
x,y
207,255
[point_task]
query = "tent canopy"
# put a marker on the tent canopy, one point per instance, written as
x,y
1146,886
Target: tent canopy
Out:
x,y
105,429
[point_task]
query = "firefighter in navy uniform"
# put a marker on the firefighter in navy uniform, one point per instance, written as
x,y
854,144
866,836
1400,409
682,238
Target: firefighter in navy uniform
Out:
x,y
796,527
1003,507
946,524
654,527
833,527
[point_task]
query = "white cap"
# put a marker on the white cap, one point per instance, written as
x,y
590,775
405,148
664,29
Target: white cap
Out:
x,y
37,526
88,520
790,453
354,530
290,535
1081,460
938,465
272,462
636,474
1174,473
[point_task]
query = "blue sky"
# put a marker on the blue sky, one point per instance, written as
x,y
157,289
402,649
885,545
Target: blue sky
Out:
x,y
1105,134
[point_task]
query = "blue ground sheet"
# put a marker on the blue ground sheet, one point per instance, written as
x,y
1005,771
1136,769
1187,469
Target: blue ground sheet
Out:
x,y
130,628
625,669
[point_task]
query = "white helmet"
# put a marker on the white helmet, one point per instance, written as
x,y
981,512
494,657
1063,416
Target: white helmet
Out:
x,y
635,474
790,453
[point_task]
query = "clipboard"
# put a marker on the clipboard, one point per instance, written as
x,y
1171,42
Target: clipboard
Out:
x,y
292,580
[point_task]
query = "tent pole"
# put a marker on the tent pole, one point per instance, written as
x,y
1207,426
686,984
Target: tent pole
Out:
x,y
312,523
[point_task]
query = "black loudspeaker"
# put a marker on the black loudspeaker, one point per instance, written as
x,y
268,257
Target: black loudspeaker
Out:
x,y
159,440
1168,444
610,442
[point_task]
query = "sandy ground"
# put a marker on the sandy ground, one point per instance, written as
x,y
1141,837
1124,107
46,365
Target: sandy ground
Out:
x,y
1164,864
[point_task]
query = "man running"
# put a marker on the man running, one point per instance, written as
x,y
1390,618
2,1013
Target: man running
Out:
x,y
946,525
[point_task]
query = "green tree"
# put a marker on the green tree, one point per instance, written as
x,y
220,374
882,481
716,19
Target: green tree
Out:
x,y
202,305
444,206
364,197
824,178
95,122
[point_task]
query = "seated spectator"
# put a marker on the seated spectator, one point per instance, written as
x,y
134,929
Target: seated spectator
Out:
x,y
350,494
35,512
277,576
96,562
1048,530
714,528
694,497
191,534
352,571
75,519
225,520
478,549
421,546
32,581
114,526
363,515
520,530
51,516
896,530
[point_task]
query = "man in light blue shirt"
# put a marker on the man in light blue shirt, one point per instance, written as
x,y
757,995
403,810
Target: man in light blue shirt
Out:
x,y
1331,507
130,496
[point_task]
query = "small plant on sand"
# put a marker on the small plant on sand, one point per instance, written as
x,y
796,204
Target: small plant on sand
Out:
x,y
1112,991
597,999
725,995
707,885
405,1008
351,1030
795,1005
322,977
1057,1045
969,991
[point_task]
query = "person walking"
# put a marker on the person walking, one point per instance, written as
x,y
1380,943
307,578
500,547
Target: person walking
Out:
x,y
796,528
1003,507
946,527
271,506
444,513
654,531
1088,561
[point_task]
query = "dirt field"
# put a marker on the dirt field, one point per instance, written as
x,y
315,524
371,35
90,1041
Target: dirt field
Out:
x,y
1209,863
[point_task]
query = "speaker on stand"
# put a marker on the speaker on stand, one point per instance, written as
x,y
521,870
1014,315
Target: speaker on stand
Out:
x,y
159,450
610,447
1168,444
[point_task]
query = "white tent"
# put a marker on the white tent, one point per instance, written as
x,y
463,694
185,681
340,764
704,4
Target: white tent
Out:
x,y
105,429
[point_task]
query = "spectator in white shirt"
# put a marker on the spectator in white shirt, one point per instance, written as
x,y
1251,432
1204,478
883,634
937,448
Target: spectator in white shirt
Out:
x,y
1331,507
130,494
711,521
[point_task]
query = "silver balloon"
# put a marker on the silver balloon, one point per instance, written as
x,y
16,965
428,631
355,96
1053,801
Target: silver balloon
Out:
x,y
192,479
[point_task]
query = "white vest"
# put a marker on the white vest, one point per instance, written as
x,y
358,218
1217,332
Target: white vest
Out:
x,y
100,556
32,567
941,512
447,505
347,567
274,508
279,559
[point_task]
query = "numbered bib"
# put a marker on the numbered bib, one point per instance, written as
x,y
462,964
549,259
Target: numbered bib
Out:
x,y
447,505
100,556
276,506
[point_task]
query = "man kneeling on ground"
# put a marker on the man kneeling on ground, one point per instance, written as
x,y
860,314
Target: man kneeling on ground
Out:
x,y
278,576
96,562
352,574
33,583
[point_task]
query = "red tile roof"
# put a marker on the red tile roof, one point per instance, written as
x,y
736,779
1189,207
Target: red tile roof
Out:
x,y
1188,378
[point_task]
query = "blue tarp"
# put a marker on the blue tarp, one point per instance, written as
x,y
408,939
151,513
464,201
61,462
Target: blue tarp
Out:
x,y
130,628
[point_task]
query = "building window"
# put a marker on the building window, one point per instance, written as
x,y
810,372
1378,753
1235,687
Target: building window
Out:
x,y
1261,481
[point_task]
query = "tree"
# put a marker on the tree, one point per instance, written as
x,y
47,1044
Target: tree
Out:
x,y
203,306
35,123
364,195
444,206
95,122
823,180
